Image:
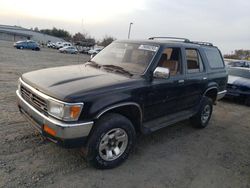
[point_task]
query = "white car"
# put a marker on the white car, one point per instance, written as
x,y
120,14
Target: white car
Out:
x,y
94,51
68,49
64,44
50,45
58,44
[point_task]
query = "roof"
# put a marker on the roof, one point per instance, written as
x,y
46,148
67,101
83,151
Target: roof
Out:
x,y
15,33
35,35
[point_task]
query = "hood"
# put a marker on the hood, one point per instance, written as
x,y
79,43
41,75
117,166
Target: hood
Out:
x,y
239,81
67,82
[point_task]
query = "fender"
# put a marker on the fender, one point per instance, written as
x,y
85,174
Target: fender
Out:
x,y
119,105
211,85
210,88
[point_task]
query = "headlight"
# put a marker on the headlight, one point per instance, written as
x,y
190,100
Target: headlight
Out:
x,y
65,111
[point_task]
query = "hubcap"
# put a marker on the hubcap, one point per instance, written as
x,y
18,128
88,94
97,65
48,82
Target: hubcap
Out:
x,y
113,144
205,114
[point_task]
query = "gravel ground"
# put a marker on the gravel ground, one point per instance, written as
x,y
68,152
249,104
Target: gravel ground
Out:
x,y
176,156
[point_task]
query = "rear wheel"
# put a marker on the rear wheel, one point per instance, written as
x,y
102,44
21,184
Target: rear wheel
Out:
x,y
111,141
201,119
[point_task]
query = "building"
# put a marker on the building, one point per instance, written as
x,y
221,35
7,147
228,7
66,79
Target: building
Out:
x,y
16,33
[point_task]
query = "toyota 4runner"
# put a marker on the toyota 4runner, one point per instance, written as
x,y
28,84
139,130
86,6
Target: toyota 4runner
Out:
x,y
129,88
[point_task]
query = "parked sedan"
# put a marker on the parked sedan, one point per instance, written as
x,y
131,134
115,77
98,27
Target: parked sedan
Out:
x,y
239,64
68,49
51,45
64,44
238,85
29,44
94,51
84,50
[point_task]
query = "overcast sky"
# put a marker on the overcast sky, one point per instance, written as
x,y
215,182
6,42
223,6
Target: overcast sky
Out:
x,y
226,23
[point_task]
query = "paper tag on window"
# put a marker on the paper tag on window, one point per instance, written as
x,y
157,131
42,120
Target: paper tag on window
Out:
x,y
148,47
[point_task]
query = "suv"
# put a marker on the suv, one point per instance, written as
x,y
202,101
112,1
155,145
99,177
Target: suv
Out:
x,y
129,88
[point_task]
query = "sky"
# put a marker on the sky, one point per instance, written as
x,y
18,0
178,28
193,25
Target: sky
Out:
x,y
225,23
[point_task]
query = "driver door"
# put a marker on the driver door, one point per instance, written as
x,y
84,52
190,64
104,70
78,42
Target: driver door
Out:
x,y
163,94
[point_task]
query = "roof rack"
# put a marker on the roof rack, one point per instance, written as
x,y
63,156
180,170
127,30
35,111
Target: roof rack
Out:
x,y
202,43
171,38
182,39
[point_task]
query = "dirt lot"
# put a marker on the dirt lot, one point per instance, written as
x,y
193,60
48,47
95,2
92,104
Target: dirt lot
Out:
x,y
177,156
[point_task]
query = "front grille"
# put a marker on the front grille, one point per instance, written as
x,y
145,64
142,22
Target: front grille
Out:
x,y
33,99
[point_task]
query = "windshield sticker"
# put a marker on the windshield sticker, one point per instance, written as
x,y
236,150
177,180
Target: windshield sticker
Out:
x,y
148,47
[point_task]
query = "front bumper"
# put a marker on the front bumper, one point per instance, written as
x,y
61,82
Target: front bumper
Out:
x,y
66,133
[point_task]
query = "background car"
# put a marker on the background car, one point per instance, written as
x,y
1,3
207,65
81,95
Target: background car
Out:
x,y
68,49
84,50
58,45
51,45
94,51
238,85
64,44
29,44
238,64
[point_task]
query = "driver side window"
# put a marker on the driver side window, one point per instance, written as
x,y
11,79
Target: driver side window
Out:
x,y
171,59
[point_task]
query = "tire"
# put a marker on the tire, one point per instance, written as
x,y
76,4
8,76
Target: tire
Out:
x,y
202,117
110,142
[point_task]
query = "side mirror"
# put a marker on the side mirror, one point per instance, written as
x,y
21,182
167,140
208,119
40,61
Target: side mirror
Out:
x,y
161,72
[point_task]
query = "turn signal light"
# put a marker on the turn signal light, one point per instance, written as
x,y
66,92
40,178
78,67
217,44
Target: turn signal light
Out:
x,y
48,130
75,111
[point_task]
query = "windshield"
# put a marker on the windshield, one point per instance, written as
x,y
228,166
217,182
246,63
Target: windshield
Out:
x,y
132,57
244,73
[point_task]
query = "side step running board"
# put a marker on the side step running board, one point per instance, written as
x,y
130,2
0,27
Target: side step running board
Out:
x,y
165,121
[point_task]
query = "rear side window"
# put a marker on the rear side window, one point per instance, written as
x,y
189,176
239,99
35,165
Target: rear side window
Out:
x,y
214,58
194,61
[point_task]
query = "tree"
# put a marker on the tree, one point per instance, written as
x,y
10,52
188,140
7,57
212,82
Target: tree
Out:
x,y
107,40
239,54
79,37
57,33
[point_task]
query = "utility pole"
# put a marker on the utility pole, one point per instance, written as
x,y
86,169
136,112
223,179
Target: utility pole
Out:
x,y
130,24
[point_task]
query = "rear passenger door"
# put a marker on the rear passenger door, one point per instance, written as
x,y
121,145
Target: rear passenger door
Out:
x,y
196,77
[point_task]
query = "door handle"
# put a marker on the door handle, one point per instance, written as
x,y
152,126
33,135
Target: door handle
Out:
x,y
181,81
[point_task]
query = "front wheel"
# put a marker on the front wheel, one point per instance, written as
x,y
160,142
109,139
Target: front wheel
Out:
x,y
111,141
201,119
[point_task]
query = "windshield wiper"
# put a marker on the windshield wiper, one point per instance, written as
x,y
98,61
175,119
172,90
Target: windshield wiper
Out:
x,y
118,69
93,64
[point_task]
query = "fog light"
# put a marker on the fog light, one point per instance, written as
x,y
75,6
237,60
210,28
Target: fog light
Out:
x,y
48,130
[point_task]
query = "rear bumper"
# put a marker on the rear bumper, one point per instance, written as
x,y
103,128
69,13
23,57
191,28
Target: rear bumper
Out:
x,y
221,94
67,134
